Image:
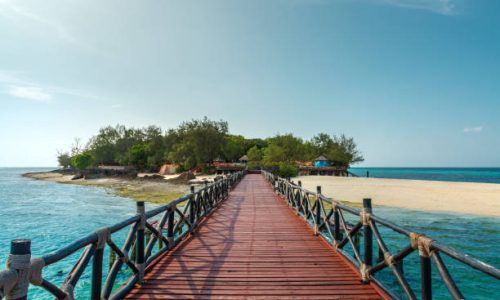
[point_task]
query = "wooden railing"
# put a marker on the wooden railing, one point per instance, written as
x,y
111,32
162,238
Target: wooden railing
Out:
x,y
163,227
329,219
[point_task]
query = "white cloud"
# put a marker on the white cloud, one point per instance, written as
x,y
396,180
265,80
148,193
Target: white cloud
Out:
x,y
23,16
15,85
31,93
443,7
473,129
116,106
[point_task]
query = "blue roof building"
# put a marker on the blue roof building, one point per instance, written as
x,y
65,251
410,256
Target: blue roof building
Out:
x,y
321,162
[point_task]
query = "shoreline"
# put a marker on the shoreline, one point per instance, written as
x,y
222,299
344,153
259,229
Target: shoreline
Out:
x,y
153,191
481,199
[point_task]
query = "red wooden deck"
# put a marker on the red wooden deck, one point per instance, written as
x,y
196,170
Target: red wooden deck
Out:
x,y
253,247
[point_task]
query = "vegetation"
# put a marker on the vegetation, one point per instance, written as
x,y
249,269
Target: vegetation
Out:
x,y
197,143
64,159
288,170
82,161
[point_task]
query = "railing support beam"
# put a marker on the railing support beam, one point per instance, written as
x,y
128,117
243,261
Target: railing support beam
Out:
x,y
318,210
139,244
426,277
192,210
367,232
97,273
170,226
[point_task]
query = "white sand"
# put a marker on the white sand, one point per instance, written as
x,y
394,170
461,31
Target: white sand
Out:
x,y
459,197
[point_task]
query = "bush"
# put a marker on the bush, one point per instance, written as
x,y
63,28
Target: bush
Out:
x,y
82,161
254,165
64,160
287,170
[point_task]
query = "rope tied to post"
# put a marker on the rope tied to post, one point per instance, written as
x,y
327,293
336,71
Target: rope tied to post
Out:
x,y
21,265
422,243
365,274
103,236
20,272
388,259
365,216
8,279
15,261
36,268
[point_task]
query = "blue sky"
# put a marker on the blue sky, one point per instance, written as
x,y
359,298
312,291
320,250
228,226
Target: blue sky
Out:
x,y
415,82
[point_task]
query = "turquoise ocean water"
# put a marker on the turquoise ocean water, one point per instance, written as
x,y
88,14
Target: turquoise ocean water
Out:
x,y
485,175
53,215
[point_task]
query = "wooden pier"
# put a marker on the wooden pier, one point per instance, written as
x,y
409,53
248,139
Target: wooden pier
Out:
x,y
253,246
245,236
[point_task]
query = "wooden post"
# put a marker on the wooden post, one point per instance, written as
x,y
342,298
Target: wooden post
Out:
x,y
97,273
367,232
21,247
426,276
192,210
356,241
336,224
306,205
318,210
170,226
139,259
298,203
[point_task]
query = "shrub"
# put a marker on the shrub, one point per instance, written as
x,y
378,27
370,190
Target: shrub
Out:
x,y
287,170
82,161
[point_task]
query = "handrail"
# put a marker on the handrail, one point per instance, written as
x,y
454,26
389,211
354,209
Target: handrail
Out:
x,y
331,224
137,252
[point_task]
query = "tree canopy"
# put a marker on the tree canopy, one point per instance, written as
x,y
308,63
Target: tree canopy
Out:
x,y
197,143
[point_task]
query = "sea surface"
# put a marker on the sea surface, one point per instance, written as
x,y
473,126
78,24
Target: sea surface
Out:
x,y
485,175
52,215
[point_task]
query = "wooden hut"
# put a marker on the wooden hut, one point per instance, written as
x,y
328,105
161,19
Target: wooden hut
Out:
x,y
321,162
243,159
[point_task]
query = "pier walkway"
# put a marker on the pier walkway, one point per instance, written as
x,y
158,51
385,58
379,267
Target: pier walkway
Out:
x,y
253,246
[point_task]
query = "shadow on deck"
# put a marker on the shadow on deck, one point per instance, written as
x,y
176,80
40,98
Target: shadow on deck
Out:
x,y
253,246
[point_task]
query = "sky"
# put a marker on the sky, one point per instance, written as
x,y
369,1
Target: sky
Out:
x,y
415,82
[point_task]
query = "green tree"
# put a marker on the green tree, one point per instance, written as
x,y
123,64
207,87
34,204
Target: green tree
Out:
x,y
155,147
64,159
284,148
234,147
274,154
254,154
250,143
82,161
287,170
103,145
199,142
344,152
138,155
322,143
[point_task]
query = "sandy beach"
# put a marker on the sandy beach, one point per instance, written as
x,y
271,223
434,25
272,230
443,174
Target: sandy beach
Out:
x,y
457,197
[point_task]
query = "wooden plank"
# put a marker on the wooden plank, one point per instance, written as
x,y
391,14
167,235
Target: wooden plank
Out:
x,y
253,246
